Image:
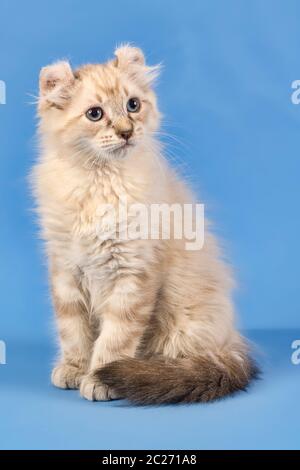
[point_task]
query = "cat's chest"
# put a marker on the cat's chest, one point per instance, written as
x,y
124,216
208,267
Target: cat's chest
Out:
x,y
87,222
97,234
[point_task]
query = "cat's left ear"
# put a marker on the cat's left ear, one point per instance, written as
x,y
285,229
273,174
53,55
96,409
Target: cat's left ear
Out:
x,y
131,60
56,84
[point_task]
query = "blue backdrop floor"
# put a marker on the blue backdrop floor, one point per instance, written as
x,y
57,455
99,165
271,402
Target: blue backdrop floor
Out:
x,y
35,415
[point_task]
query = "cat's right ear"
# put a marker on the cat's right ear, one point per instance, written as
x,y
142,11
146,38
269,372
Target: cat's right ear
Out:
x,y
132,61
56,83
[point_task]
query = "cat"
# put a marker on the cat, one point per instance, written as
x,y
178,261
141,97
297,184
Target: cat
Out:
x,y
142,319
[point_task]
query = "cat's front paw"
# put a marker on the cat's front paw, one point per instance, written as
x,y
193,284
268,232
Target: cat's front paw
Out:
x,y
92,389
66,376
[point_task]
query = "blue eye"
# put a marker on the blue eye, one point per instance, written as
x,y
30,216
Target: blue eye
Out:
x,y
133,105
94,114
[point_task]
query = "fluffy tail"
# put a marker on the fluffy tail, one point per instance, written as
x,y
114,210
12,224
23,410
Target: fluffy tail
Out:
x,y
161,380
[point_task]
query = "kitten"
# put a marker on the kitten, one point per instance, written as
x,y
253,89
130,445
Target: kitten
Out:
x,y
142,319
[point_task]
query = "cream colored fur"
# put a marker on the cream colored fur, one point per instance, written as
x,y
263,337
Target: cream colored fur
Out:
x,y
108,293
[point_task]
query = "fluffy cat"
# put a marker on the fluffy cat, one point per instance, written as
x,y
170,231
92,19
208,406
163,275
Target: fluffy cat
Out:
x,y
142,319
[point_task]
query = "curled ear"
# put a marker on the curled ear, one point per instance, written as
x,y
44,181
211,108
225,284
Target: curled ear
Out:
x,y
131,60
127,55
56,82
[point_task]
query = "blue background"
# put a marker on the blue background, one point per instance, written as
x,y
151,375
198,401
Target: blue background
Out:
x,y
226,94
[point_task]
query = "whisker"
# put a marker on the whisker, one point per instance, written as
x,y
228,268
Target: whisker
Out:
x,y
35,99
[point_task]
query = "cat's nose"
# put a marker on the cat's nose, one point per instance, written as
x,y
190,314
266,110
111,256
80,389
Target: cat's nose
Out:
x,y
125,133
123,128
